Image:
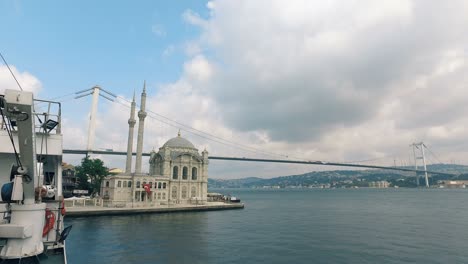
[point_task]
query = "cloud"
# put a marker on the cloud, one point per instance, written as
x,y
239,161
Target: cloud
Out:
x,y
158,30
27,81
321,80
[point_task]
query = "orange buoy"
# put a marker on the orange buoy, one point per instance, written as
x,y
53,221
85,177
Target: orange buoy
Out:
x,y
49,222
63,210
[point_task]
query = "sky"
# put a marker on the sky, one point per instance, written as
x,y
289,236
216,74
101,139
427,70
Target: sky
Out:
x,y
339,81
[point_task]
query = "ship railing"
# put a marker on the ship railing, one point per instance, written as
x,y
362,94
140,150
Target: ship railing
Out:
x,y
83,202
48,116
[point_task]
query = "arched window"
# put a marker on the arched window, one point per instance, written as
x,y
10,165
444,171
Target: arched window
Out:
x,y
174,192
175,173
119,184
164,185
184,173
193,192
184,192
159,185
125,184
107,183
129,184
138,184
194,173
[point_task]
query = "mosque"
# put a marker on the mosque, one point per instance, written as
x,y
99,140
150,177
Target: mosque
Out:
x,y
178,173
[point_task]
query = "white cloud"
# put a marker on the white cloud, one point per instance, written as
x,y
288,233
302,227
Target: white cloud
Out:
x,y
320,80
27,81
158,30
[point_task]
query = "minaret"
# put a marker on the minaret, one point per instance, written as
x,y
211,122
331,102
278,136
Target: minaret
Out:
x,y
141,127
131,126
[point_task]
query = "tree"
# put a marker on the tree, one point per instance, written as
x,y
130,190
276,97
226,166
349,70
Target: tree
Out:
x,y
91,172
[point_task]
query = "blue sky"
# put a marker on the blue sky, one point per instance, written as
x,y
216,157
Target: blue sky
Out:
x,y
117,44
304,79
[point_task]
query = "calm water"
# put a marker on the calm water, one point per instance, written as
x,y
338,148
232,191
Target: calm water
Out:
x,y
288,226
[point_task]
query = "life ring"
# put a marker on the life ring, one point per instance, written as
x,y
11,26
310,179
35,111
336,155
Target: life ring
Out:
x,y
63,211
49,222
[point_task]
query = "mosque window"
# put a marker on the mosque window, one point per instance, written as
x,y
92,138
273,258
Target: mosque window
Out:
x,y
174,192
164,185
159,185
159,196
125,184
175,173
194,173
143,184
184,173
184,192
119,184
164,196
138,184
107,183
193,192
129,184
151,184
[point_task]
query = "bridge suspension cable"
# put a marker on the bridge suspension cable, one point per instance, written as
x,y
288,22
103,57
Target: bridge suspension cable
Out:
x,y
200,133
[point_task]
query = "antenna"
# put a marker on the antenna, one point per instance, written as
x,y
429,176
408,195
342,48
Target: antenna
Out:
x,y
92,119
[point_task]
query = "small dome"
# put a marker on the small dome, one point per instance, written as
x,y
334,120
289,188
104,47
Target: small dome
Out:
x,y
179,142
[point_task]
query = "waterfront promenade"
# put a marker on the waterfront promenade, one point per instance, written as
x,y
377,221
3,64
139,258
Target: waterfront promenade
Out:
x,y
78,211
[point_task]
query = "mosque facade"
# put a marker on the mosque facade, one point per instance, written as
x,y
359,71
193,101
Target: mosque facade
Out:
x,y
178,172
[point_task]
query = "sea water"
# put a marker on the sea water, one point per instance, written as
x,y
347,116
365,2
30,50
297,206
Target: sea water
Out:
x,y
288,226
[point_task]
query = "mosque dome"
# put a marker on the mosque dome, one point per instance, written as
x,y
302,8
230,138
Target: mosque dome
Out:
x,y
179,142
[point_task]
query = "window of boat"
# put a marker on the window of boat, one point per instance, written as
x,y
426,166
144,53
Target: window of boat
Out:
x,y
194,173
175,173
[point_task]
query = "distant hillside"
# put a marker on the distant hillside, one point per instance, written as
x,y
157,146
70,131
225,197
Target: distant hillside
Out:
x,y
343,178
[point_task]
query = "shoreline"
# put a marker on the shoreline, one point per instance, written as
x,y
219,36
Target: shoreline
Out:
x,y
106,211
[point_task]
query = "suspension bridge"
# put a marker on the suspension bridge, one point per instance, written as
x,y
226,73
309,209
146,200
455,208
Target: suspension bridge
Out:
x,y
418,148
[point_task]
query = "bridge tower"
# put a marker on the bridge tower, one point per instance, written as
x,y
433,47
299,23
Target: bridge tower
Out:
x,y
419,147
92,114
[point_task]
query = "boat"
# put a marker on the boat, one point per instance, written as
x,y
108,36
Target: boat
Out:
x,y
32,228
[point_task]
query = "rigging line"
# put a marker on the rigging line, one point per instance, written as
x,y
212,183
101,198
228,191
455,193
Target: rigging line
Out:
x,y
18,161
211,135
202,136
19,85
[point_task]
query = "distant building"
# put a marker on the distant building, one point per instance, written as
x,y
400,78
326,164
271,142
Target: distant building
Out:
x,y
69,182
178,174
453,184
379,184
